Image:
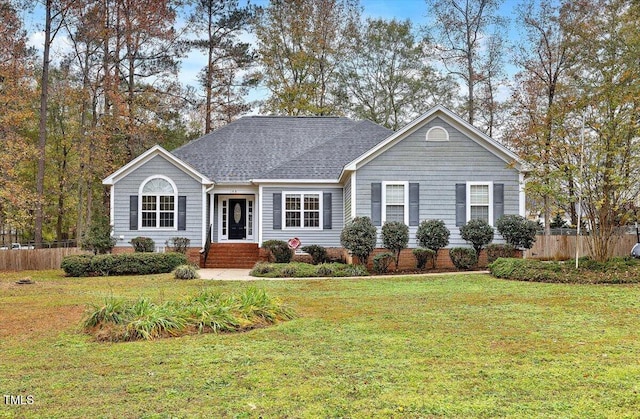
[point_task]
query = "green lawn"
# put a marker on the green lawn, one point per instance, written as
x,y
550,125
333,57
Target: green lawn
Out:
x,y
452,345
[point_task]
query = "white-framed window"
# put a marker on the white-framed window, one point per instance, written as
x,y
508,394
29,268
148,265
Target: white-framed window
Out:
x,y
395,202
480,201
158,207
437,134
302,210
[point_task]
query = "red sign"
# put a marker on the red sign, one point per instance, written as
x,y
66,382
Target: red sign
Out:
x,y
294,243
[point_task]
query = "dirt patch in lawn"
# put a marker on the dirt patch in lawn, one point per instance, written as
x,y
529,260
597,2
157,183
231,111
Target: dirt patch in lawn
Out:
x,y
24,321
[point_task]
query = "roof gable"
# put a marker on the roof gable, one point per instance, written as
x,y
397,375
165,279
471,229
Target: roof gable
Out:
x,y
146,157
451,118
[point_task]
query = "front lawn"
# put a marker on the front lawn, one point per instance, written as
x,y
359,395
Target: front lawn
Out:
x,y
465,345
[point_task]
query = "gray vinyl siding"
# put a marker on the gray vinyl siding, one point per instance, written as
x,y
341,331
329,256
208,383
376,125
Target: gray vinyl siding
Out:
x,y
130,185
437,167
347,201
326,238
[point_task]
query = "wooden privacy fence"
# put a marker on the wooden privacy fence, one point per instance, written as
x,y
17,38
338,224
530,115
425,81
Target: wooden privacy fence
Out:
x,y
564,247
36,259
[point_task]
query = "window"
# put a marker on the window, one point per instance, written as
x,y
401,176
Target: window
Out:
x,y
158,209
479,201
394,202
437,134
302,210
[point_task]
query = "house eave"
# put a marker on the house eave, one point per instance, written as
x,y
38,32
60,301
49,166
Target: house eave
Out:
x,y
154,151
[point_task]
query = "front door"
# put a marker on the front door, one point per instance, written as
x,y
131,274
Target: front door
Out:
x,y
237,219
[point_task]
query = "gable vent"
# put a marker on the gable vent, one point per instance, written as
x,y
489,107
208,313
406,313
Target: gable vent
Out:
x,y
437,134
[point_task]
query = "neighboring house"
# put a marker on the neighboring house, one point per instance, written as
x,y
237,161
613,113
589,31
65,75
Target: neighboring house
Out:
x,y
266,177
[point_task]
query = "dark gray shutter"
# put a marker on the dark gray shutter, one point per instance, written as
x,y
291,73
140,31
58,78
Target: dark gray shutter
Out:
x,y
414,204
376,204
326,210
461,204
182,213
498,201
133,212
277,211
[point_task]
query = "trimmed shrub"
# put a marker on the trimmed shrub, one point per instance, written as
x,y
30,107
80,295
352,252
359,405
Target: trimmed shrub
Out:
x,y
395,237
382,261
76,265
423,256
143,244
124,264
179,244
463,257
186,272
527,270
318,253
517,231
495,251
433,234
359,237
478,233
98,239
306,270
279,249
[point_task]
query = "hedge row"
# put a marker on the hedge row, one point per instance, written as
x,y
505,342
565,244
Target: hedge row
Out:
x,y
305,270
122,264
614,271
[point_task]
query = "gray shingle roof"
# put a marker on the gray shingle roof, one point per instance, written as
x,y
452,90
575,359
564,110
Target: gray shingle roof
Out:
x,y
276,147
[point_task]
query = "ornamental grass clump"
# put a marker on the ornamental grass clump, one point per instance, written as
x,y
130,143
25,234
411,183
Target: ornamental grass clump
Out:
x,y
186,272
123,320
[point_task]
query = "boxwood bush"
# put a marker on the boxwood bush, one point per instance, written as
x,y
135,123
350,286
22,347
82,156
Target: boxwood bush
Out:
x,y
123,264
495,251
318,253
279,250
423,256
463,257
143,244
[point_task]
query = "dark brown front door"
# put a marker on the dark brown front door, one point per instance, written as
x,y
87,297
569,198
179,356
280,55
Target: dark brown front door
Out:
x,y
237,219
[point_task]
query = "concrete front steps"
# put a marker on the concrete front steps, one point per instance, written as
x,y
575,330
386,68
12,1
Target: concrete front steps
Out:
x,y
231,255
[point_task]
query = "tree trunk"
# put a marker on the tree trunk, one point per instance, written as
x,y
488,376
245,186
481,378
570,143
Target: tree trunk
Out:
x,y
42,136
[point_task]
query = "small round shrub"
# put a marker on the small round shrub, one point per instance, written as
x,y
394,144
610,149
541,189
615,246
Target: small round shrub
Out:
x,y
186,272
395,237
318,253
478,233
463,258
179,244
143,244
433,234
279,249
495,251
517,230
382,261
423,256
359,237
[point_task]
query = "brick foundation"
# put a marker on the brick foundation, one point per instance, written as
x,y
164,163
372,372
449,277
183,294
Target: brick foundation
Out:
x,y
408,261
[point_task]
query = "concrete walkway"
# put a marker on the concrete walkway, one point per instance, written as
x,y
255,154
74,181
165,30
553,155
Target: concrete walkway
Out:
x,y
228,274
